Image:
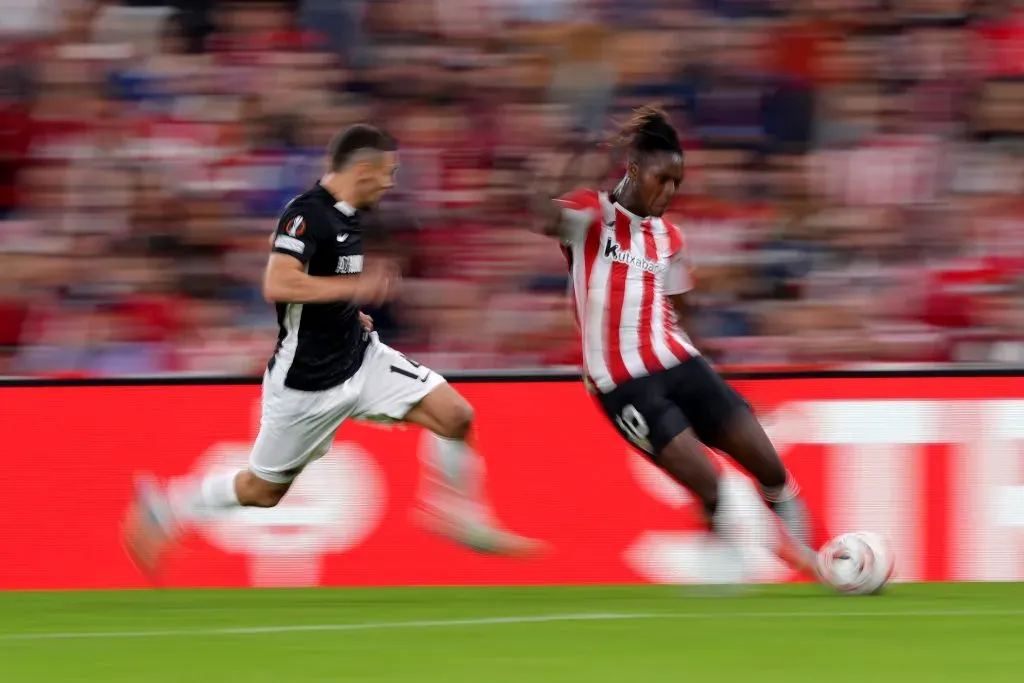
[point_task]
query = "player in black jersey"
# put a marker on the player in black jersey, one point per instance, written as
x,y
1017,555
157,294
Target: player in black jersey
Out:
x,y
329,366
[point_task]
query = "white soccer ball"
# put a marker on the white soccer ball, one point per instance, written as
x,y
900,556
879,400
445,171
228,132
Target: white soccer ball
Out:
x,y
858,563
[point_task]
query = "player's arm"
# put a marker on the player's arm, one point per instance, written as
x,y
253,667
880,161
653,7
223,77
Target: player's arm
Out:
x,y
547,217
569,216
683,309
686,313
286,281
365,319
679,283
567,220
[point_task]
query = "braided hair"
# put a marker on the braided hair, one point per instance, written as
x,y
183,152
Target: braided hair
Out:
x,y
648,130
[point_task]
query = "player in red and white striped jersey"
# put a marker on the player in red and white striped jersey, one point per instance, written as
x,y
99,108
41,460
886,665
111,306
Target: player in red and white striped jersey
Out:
x,y
624,270
629,273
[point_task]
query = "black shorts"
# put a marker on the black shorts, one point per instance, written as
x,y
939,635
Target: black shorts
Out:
x,y
651,411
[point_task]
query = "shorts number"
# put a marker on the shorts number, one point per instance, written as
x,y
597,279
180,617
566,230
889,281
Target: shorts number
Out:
x,y
411,375
634,426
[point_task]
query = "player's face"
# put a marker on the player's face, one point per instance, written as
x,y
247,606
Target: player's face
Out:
x,y
377,176
659,179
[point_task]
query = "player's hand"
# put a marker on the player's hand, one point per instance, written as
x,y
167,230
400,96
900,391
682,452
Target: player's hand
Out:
x,y
367,321
377,283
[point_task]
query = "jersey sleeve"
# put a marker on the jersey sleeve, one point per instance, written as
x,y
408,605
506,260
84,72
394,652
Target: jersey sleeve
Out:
x,y
296,233
579,211
679,276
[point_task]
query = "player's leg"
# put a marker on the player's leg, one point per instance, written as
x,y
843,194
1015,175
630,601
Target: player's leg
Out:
x,y
454,497
278,455
451,466
643,411
744,440
685,461
723,420
645,415
296,428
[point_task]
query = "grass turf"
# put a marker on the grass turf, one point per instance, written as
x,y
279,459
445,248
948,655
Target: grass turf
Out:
x,y
924,633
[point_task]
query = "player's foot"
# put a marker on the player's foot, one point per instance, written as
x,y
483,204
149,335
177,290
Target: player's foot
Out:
x,y
476,535
798,556
148,526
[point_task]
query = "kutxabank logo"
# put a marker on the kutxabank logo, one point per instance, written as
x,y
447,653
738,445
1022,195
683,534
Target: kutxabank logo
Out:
x,y
613,252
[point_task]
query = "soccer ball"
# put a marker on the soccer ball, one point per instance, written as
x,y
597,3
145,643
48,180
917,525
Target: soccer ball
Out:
x,y
858,563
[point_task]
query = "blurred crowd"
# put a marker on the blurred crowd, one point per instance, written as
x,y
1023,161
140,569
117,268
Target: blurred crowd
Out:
x,y
853,189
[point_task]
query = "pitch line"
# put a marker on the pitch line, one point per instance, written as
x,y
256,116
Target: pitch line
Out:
x,y
495,621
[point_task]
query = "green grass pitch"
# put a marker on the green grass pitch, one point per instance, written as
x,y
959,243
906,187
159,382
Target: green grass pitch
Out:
x,y
925,633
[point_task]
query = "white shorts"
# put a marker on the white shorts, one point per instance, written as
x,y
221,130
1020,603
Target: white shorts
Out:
x,y
297,427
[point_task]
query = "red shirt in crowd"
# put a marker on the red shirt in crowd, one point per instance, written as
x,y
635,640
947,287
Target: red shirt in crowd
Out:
x,y
1002,45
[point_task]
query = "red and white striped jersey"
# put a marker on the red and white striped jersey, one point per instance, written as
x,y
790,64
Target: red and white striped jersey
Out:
x,y
623,269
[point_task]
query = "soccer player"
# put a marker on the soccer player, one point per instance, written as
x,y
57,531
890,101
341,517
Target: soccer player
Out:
x,y
329,366
630,274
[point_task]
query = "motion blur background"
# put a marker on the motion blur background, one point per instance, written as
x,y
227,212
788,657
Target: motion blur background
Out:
x,y
853,192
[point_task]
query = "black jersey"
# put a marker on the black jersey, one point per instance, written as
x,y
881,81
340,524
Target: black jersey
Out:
x,y
320,345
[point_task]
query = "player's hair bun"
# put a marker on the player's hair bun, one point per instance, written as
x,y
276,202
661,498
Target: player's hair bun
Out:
x,y
649,116
648,130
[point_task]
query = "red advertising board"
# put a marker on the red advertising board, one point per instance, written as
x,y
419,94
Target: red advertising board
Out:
x,y
934,464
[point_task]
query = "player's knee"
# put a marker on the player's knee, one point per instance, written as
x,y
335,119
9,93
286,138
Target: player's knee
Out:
x,y
458,420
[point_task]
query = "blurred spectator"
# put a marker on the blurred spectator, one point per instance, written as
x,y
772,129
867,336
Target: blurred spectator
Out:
x,y
853,190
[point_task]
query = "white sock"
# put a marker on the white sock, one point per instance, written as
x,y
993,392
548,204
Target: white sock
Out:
x,y
193,501
461,470
460,466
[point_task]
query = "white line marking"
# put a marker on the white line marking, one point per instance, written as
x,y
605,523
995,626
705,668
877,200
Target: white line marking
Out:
x,y
495,621
306,628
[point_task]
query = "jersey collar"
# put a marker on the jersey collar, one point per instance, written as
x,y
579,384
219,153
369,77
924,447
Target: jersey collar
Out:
x,y
645,222
344,207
